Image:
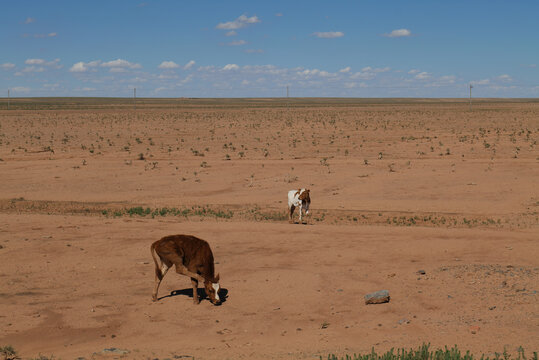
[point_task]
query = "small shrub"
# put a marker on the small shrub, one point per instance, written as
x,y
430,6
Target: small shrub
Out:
x,y
8,352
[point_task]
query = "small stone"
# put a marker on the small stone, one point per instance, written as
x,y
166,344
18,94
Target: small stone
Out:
x,y
492,307
421,272
115,351
378,297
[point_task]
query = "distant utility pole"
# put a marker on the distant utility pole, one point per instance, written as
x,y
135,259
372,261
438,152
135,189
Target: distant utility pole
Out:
x,y
8,99
287,101
471,86
135,99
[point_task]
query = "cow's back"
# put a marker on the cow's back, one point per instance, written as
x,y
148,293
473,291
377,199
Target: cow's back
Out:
x,y
292,199
192,252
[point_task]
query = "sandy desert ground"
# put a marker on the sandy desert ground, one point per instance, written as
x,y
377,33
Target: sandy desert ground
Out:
x,y
397,186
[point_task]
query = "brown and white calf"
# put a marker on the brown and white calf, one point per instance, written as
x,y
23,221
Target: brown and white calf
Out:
x,y
192,257
298,198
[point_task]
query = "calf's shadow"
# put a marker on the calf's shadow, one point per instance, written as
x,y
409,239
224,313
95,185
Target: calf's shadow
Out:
x,y
223,294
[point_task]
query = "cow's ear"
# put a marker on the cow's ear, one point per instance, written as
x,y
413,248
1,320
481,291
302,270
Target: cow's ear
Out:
x,y
217,278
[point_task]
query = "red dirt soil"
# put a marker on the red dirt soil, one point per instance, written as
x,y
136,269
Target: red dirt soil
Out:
x,y
395,188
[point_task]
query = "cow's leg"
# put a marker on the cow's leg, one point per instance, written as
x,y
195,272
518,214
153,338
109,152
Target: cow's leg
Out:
x,y
159,275
292,208
181,269
194,282
300,211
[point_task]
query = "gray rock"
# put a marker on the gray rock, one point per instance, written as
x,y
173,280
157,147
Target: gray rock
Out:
x,y
378,297
114,350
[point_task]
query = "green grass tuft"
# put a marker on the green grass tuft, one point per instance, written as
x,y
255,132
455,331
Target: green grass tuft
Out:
x,y
424,353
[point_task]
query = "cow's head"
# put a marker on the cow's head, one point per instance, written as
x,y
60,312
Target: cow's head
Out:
x,y
305,200
212,290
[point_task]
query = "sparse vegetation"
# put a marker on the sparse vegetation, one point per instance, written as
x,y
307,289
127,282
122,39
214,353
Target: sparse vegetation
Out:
x,y
8,352
424,353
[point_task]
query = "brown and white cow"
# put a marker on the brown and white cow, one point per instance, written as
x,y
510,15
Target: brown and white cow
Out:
x,y
298,198
192,257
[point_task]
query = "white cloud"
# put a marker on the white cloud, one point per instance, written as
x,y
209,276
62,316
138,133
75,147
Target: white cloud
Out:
x,y
84,67
414,71
168,76
447,79
21,89
505,78
117,70
29,20
79,67
481,82
40,36
7,66
54,64
237,43
161,88
263,69
33,69
329,34
375,70
186,80
345,70
308,74
168,65
120,64
442,81
239,23
422,76
231,67
208,68
189,65
279,14
34,61
399,33
368,75
254,51
231,33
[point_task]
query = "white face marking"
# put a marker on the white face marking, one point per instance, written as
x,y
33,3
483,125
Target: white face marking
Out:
x,y
216,288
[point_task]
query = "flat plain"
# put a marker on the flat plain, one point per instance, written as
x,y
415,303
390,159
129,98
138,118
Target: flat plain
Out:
x,y
429,199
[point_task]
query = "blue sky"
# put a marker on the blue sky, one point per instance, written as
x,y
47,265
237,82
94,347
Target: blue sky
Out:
x,y
168,48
